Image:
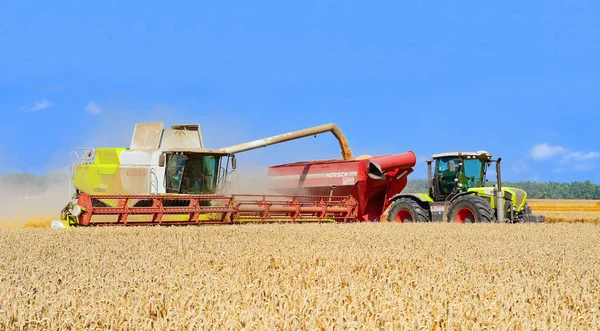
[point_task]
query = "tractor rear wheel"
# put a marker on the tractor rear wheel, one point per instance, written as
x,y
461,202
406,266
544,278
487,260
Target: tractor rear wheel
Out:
x,y
407,210
470,209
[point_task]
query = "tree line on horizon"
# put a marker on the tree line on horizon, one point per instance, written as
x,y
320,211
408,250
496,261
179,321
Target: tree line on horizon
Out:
x,y
28,184
586,190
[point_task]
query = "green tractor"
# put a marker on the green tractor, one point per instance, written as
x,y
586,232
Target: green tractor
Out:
x,y
459,192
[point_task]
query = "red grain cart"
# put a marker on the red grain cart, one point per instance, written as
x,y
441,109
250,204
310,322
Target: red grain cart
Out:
x,y
372,181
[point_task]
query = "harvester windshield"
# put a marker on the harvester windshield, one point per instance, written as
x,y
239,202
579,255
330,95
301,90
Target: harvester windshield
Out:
x,y
192,173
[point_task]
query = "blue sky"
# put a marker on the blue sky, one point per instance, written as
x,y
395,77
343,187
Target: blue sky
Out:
x,y
519,79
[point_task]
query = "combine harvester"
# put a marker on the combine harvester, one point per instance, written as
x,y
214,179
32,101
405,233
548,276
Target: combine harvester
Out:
x,y
168,177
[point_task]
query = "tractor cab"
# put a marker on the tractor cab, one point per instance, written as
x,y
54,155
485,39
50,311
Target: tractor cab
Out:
x,y
195,172
457,172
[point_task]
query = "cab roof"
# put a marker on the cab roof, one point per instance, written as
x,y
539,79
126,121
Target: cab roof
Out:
x,y
197,151
459,154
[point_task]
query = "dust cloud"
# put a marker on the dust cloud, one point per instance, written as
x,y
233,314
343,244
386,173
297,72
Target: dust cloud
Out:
x,y
248,183
28,198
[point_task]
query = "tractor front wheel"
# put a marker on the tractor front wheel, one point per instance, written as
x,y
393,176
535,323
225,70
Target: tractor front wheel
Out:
x,y
470,209
407,210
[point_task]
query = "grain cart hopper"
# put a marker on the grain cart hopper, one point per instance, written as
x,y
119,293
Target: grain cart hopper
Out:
x,y
168,177
372,181
458,192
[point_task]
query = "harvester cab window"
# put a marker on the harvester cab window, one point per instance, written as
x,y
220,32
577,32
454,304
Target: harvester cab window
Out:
x,y
200,174
174,172
191,173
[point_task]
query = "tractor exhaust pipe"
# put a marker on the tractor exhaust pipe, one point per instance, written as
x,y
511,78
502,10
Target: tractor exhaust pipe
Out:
x,y
429,178
334,129
499,194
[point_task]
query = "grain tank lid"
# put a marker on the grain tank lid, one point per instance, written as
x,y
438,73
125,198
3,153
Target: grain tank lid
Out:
x,y
189,127
153,136
146,136
182,136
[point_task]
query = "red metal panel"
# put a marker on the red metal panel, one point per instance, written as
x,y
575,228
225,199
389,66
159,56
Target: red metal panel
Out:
x,y
396,161
349,178
341,173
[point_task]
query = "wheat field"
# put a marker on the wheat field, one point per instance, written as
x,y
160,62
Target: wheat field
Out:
x,y
303,276
565,204
573,211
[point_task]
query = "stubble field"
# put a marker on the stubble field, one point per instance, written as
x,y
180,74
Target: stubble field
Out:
x,y
303,276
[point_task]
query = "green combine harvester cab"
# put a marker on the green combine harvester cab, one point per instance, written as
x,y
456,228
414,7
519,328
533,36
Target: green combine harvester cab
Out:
x,y
458,191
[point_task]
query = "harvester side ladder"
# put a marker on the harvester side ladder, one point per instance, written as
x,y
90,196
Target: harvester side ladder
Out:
x,y
153,182
83,155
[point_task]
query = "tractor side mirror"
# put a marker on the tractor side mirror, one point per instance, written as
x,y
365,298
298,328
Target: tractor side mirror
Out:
x,y
161,160
233,162
452,166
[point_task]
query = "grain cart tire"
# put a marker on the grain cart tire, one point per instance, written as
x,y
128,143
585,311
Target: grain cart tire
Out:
x,y
470,209
407,210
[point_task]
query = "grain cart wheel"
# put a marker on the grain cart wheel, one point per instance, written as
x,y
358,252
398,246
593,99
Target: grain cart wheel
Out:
x,y
407,210
470,209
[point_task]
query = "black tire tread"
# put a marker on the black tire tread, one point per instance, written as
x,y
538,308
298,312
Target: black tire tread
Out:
x,y
484,208
422,214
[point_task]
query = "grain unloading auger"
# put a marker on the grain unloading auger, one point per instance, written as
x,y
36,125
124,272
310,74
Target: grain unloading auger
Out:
x,y
168,177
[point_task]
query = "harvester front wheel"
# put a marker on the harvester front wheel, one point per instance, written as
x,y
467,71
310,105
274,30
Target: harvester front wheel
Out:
x,y
407,210
470,209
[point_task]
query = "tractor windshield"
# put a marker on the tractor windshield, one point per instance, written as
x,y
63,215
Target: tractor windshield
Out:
x,y
192,173
472,174
452,170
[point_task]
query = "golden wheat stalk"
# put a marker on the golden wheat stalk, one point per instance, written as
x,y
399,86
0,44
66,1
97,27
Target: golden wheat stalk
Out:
x,y
305,276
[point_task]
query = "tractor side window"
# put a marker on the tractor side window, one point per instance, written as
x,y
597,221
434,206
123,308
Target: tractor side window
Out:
x,y
473,172
174,172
